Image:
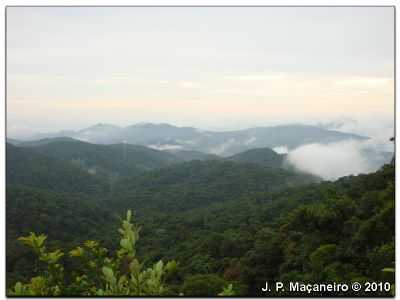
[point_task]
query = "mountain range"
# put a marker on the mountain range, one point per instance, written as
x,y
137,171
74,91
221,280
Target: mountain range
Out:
x,y
224,143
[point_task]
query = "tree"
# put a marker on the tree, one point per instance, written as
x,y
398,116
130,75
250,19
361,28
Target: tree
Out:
x,y
203,285
97,275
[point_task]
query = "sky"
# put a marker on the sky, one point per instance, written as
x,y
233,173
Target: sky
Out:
x,y
208,67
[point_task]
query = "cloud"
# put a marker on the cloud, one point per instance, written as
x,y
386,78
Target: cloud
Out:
x,y
165,147
250,140
365,82
189,84
221,148
258,77
379,128
281,149
83,62
243,92
334,160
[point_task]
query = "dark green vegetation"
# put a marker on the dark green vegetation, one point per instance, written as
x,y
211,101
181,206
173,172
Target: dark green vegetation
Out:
x,y
243,220
198,184
188,155
67,219
95,272
119,159
27,167
41,142
261,156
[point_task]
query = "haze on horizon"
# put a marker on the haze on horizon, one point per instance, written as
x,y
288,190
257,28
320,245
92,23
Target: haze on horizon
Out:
x,y
208,67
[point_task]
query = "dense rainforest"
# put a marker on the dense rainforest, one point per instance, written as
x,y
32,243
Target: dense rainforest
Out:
x,y
224,225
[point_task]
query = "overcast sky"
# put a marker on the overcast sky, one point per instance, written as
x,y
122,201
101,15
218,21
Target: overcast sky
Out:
x,y
68,68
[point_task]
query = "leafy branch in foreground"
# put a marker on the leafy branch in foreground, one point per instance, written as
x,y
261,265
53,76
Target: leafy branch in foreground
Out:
x,y
95,274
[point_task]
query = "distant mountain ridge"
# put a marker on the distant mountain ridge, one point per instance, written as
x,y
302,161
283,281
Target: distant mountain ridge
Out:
x,y
168,137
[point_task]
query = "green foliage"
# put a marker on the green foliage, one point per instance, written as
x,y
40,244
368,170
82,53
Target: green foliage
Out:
x,y
115,279
102,275
66,218
204,285
321,257
50,282
227,291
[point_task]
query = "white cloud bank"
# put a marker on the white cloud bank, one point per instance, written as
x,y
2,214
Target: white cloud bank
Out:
x,y
334,160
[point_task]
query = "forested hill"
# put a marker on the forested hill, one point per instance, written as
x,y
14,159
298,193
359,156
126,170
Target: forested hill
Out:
x,y
199,183
328,232
27,167
121,159
261,156
40,142
188,155
113,162
73,166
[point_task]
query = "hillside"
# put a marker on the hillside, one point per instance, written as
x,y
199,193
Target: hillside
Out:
x,y
27,167
14,142
106,160
45,141
339,231
200,183
187,155
261,156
